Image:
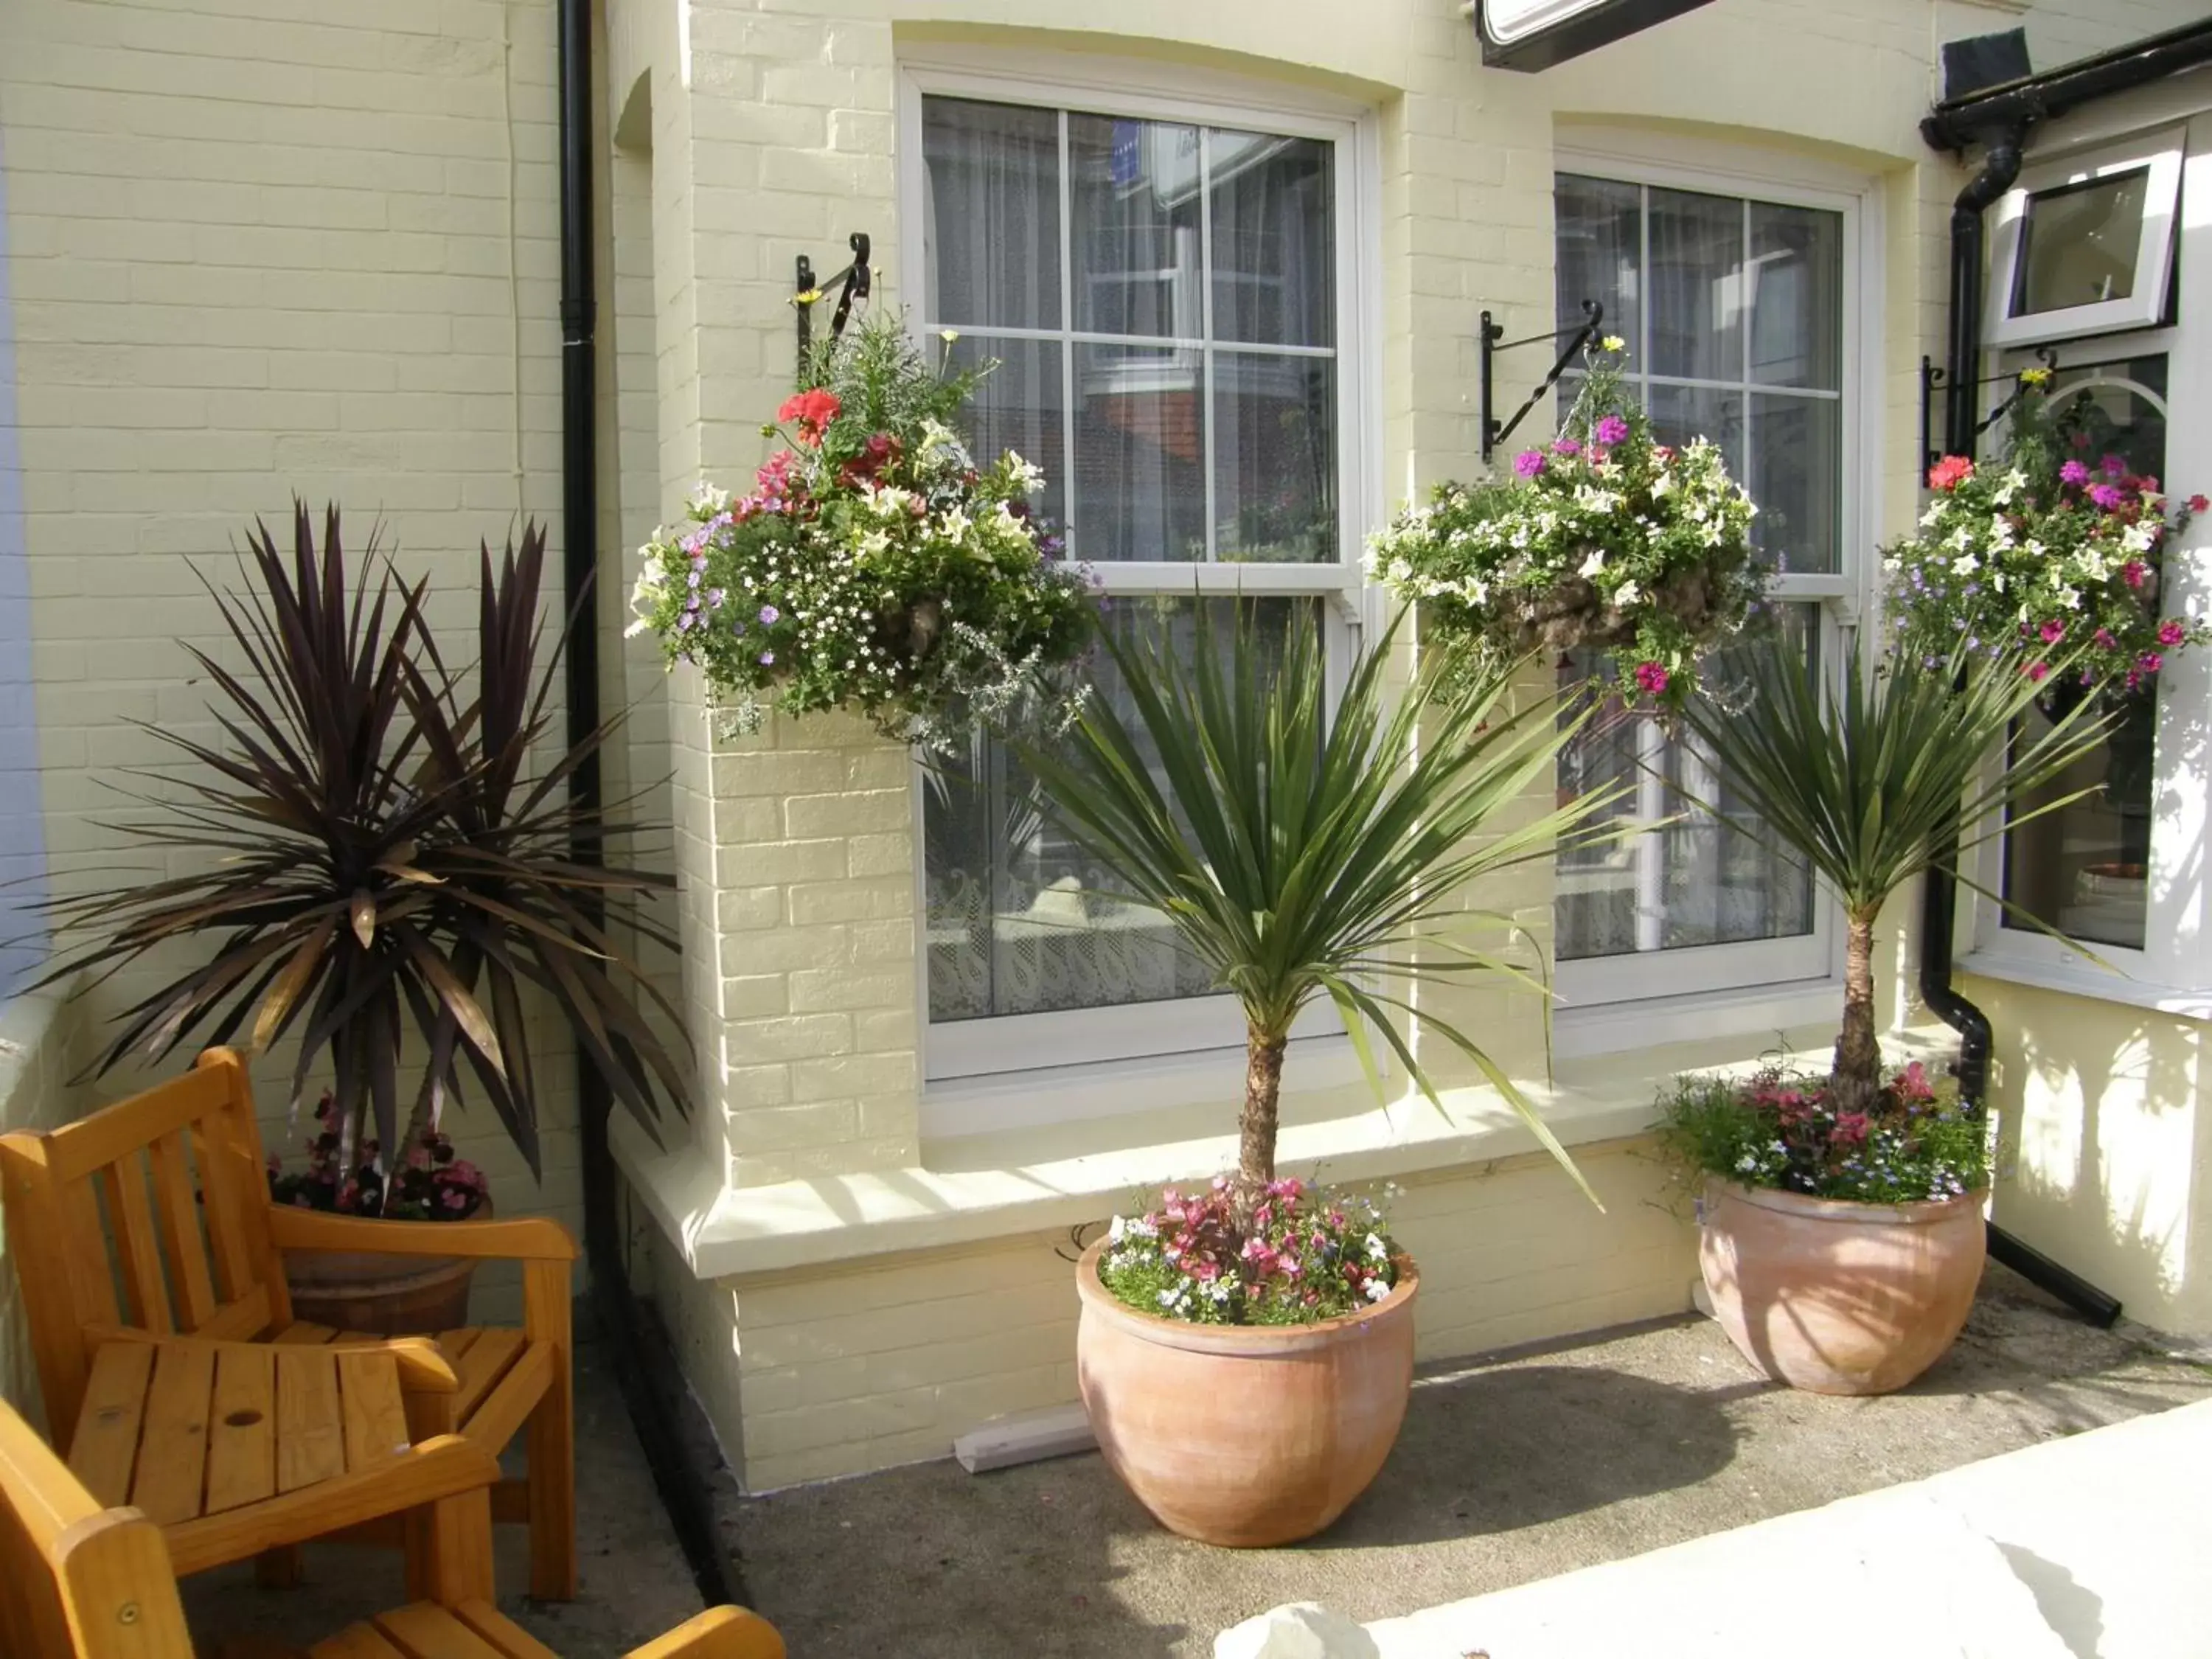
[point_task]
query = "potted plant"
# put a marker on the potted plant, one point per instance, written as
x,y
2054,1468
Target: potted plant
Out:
x,y
1606,540
875,565
383,852
1841,1223
1246,1348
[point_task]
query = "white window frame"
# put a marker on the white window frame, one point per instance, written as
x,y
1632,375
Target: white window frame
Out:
x,y
2160,155
971,1067
1608,1003
2172,973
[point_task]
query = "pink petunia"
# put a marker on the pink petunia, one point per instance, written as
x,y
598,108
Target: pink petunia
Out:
x,y
2134,573
2169,632
2037,671
1529,463
1651,678
2052,631
2114,466
2074,473
1610,430
2150,662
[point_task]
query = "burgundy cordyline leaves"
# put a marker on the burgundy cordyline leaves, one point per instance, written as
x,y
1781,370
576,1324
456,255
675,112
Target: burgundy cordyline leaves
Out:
x,y
381,846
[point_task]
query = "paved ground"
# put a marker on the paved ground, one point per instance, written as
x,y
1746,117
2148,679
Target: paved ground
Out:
x,y
1508,1470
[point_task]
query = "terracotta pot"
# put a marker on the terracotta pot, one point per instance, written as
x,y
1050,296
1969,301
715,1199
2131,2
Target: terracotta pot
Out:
x,y
1245,1435
381,1295
1837,1298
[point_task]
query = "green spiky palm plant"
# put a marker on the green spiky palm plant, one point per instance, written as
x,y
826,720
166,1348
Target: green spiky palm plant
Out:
x,y
1879,779
375,849
1300,856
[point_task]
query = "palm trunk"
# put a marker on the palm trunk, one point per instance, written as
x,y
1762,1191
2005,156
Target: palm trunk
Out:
x,y
1263,1088
1856,1075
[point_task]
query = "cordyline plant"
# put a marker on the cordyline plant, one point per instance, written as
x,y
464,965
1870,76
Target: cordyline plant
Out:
x,y
383,854
1879,779
1300,856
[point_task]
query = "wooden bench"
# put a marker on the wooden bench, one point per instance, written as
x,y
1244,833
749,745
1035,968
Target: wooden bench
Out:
x,y
78,1579
150,1219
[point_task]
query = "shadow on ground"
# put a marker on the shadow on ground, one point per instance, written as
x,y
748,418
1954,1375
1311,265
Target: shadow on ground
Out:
x,y
1510,1468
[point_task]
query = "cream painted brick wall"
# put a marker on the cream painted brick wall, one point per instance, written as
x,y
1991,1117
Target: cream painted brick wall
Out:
x,y
842,1370
795,860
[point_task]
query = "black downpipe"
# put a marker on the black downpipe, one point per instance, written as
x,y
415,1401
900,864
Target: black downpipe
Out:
x,y
645,1368
1940,891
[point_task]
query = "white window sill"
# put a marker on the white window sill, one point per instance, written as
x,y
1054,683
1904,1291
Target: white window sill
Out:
x,y
2087,979
1765,1011
1038,1180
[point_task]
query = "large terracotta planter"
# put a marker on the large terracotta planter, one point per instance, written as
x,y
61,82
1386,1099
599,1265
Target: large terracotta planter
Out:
x,y
1246,1436
1838,1297
380,1295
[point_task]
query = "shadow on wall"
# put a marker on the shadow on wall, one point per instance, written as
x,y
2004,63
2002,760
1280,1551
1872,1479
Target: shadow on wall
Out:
x,y
22,825
36,1065
2104,1159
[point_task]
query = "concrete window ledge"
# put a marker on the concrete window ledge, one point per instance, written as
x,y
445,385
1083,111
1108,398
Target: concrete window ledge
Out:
x,y
980,1187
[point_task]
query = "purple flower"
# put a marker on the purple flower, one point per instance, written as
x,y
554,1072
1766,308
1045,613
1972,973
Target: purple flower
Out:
x,y
685,621
2107,496
1529,463
1611,430
694,578
715,598
2114,466
2074,473
767,657
768,613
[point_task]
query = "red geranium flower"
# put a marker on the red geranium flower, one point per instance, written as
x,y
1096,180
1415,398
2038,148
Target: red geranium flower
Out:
x,y
812,411
1950,472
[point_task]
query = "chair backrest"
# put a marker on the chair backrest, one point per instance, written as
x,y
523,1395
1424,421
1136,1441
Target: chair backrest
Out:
x,y
76,1579
152,1213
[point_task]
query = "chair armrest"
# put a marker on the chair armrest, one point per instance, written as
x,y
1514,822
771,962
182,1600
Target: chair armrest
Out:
x,y
532,1238
424,1367
717,1633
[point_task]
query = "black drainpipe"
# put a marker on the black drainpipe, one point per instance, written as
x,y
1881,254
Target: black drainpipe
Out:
x,y
645,1367
1939,893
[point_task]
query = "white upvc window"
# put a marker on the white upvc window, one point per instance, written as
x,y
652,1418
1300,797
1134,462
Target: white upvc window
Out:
x,y
1172,286
2083,243
1741,298
2122,870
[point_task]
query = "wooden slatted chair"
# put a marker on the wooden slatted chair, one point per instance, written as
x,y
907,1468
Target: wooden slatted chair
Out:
x,y
80,1580
153,1216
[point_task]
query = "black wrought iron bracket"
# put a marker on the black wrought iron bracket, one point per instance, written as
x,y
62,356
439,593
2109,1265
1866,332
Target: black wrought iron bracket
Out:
x,y
1494,342
852,283
1933,377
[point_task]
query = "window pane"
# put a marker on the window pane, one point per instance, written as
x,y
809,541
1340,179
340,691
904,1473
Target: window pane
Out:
x,y
1275,245
2084,869
1139,474
992,229
1796,477
1600,239
1698,881
1020,920
1135,227
1019,407
1796,296
2078,244
1274,458
1696,286
1679,413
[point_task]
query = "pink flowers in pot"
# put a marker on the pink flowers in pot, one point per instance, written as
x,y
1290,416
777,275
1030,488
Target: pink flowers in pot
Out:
x,y
432,1183
1307,1255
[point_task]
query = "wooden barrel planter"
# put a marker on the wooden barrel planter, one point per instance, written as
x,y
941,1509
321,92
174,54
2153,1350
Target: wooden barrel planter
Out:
x,y
380,1295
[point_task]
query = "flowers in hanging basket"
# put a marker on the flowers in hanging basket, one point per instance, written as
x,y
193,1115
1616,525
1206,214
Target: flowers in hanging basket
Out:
x,y
1776,1129
875,564
2058,545
1309,1255
1604,539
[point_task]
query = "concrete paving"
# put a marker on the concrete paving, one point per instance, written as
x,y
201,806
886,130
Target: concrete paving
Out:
x,y
1509,1470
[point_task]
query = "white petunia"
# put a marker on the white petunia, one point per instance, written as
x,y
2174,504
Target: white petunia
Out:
x,y
1629,594
1593,564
